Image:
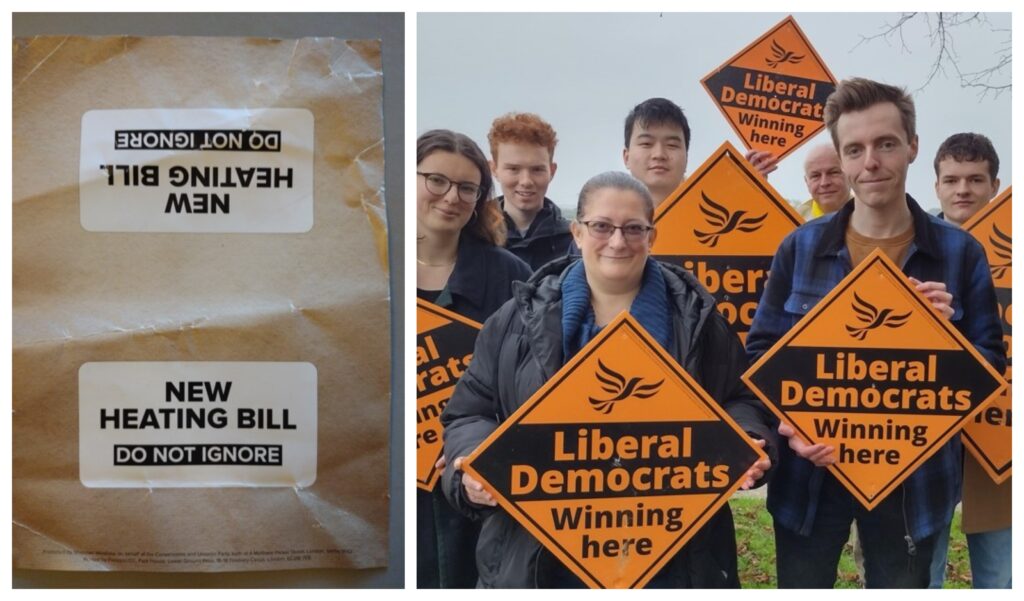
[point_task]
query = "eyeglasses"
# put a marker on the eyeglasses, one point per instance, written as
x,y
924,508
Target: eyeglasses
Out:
x,y
602,230
438,184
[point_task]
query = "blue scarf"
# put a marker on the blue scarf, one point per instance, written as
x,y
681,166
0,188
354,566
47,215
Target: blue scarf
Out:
x,y
651,308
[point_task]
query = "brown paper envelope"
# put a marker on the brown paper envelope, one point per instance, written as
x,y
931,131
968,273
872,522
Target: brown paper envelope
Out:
x,y
318,297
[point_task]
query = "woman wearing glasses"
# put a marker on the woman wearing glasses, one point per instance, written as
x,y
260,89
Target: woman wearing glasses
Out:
x,y
460,231
551,317
460,265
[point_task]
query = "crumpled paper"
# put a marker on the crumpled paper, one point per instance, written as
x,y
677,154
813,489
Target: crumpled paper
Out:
x,y
319,297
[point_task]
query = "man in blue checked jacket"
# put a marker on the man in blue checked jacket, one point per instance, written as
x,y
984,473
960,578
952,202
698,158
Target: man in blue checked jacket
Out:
x,y
873,128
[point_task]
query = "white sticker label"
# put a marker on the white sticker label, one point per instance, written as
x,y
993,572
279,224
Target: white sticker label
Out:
x,y
180,424
197,170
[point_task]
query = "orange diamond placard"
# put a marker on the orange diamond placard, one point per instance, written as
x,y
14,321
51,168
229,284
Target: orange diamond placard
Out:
x,y
617,460
873,371
444,347
724,224
988,436
773,91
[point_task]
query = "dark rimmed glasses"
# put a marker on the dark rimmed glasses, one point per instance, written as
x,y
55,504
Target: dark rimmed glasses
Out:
x,y
439,184
602,230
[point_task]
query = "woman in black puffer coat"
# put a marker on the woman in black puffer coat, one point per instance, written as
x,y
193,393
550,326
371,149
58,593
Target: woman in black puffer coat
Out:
x,y
548,320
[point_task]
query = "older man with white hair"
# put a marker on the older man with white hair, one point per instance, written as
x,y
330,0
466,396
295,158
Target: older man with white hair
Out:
x,y
825,182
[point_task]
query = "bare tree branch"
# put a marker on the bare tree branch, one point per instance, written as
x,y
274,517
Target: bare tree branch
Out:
x,y
942,30
889,30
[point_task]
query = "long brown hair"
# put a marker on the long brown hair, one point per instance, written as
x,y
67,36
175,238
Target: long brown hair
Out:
x,y
487,222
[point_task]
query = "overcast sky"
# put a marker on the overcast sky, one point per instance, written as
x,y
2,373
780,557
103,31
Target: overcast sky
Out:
x,y
584,72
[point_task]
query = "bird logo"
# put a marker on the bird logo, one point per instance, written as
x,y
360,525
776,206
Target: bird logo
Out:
x,y
873,318
781,55
1000,248
616,385
718,216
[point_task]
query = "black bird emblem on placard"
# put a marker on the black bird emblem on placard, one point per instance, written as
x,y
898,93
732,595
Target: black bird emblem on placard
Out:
x,y
1001,244
781,55
869,315
718,216
615,384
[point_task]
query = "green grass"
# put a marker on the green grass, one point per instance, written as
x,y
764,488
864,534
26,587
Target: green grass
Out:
x,y
958,565
755,542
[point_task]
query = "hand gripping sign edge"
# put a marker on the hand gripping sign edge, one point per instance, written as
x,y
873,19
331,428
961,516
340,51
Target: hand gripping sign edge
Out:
x,y
621,324
941,325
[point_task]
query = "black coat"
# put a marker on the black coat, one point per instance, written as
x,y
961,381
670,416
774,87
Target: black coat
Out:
x,y
548,237
519,349
480,283
481,280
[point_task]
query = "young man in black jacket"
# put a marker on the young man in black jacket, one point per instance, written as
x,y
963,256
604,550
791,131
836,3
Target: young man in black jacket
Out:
x,y
522,160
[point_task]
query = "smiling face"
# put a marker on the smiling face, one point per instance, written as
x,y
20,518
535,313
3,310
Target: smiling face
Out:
x,y
524,172
615,263
963,188
875,154
446,213
656,155
825,180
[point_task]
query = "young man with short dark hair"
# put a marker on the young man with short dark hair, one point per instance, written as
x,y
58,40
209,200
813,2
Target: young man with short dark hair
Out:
x,y
657,139
657,143
873,129
966,169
